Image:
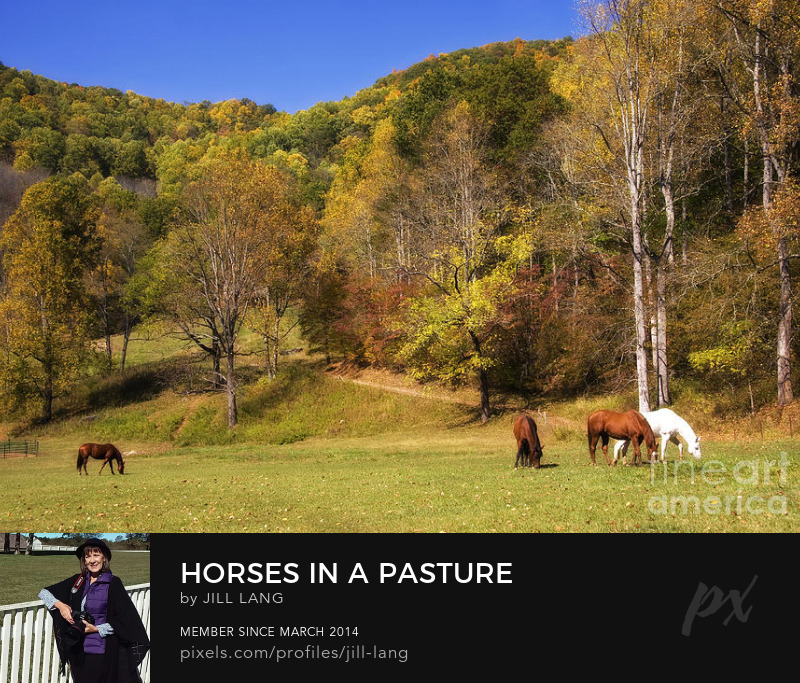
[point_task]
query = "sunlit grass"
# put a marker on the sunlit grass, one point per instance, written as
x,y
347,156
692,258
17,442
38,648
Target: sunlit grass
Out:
x,y
314,452
25,575
456,479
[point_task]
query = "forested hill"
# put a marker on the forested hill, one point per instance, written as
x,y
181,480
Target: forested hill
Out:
x,y
544,217
52,127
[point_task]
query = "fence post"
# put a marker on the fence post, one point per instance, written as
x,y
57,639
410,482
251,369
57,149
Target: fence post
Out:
x,y
27,646
15,647
5,637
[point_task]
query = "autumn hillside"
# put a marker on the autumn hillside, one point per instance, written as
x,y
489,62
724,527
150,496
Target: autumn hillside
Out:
x,y
612,219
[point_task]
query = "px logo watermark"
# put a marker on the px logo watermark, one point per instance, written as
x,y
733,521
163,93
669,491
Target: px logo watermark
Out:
x,y
746,473
708,601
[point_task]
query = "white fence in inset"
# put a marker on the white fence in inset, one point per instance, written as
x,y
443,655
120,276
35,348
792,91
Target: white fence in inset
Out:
x,y
28,651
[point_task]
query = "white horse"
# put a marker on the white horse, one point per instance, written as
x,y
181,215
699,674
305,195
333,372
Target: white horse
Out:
x,y
668,426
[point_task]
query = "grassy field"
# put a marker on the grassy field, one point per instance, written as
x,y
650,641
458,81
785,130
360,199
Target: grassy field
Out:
x,y
25,575
315,452
458,478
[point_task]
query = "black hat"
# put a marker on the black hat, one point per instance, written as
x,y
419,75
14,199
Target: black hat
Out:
x,y
94,543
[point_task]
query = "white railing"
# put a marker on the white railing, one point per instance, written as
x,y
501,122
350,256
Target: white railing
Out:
x,y
28,651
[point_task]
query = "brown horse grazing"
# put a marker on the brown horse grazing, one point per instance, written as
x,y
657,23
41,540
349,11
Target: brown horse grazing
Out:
x,y
630,425
529,450
106,452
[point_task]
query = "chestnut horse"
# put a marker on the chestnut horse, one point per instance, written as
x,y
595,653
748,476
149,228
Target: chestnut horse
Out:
x,y
630,425
529,450
106,452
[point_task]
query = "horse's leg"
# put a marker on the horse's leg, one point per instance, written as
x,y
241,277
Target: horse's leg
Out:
x,y
605,449
519,456
675,440
664,441
617,448
105,462
111,464
637,452
592,446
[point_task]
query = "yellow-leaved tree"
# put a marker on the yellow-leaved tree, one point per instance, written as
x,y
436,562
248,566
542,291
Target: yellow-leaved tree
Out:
x,y
48,245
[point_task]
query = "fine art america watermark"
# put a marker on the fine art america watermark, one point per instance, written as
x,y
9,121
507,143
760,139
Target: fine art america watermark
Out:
x,y
747,473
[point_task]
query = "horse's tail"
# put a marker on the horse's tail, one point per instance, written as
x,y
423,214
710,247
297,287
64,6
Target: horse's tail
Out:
x,y
80,460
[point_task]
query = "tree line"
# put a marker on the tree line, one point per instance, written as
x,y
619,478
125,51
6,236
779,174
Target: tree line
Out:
x,y
617,211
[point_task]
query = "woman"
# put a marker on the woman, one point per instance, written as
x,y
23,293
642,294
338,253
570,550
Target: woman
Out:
x,y
97,628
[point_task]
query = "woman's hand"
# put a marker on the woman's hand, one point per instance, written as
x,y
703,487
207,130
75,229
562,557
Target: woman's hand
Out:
x,y
65,610
90,628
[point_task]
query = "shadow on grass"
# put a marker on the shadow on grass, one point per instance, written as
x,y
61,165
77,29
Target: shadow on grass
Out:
x,y
142,383
293,380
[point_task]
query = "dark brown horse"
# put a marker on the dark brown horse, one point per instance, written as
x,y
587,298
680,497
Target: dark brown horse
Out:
x,y
106,452
630,425
529,450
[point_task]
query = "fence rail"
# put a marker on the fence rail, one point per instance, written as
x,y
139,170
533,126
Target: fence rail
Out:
x,y
18,449
28,651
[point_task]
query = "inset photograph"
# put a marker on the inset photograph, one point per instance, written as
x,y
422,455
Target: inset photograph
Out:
x,y
75,605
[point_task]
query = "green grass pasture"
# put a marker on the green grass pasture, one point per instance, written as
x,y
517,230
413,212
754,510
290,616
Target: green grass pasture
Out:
x,y
457,477
25,575
314,452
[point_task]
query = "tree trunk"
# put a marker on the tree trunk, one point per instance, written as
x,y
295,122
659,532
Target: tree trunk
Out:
x,y
773,163
215,356
483,381
126,337
16,544
47,395
230,388
664,260
276,332
483,378
271,370
785,393
29,549
662,375
639,310
6,543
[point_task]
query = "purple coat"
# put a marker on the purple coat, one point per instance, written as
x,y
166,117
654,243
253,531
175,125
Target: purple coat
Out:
x,y
96,595
125,648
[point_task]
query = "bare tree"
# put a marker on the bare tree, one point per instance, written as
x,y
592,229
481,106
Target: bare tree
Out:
x,y
219,254
765,37
628,54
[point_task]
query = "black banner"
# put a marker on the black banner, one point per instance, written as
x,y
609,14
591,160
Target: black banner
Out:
x,y
363,606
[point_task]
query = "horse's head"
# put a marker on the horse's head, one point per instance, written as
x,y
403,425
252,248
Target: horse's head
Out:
x,y
121,464
694,448
536,456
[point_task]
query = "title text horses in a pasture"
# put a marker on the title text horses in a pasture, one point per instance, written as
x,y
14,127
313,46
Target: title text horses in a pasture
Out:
x,y
106,452
669,426
605,424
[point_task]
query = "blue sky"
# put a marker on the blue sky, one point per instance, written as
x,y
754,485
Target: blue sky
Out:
x,y
289,54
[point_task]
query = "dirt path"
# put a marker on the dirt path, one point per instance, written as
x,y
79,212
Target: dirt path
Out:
x,y
193,402
409,391
378,380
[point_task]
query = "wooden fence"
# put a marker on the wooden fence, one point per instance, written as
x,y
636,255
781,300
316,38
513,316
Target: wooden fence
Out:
x,y
28,651
19,449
